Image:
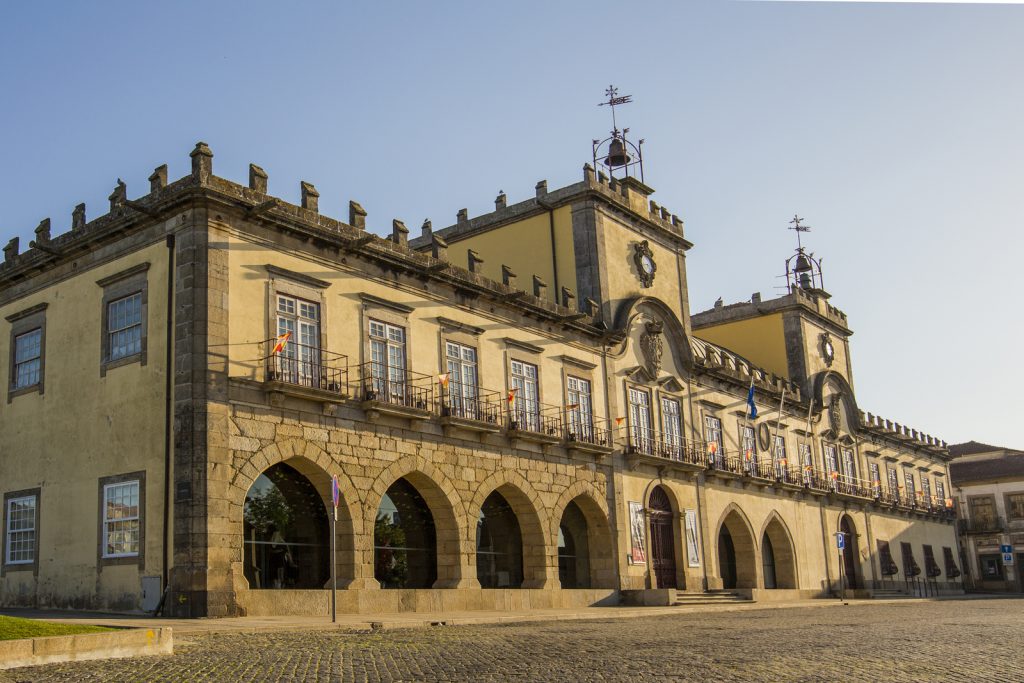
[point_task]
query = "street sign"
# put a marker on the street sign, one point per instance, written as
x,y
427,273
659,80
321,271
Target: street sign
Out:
x,y
335,495
841,540
1007,558
1006,549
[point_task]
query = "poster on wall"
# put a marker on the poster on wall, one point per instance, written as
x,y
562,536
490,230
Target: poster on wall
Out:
x,y
637,555
692,554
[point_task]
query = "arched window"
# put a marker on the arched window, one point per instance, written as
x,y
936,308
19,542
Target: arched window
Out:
x,y
499,545
287,542
573,549
404,539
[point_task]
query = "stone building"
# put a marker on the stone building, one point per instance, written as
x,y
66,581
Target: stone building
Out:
x,y
988,482
519,410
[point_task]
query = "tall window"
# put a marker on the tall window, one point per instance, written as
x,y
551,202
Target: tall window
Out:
x,y
1014,503
807,461
527,396
640,420
713,436
28,353
831,464
21,530
121,519
876,478
579,409
908,480
940,492
748,440
779,456
387,361
849,466
894,482
926,490
672,425
983,512
462,379
299,361
124,326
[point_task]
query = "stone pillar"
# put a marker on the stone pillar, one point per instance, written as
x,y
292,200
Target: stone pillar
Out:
x,y
257,179
202,163
158,179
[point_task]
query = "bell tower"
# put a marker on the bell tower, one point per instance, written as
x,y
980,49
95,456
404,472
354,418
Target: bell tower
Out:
x,y
616,153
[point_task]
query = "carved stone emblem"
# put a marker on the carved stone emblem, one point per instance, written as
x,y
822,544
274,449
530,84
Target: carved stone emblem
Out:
x,y
834,418
828,349
653,346
643,257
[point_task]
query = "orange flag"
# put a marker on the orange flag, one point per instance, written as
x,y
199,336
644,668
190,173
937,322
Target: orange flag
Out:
x,y
511,395
619,421
443,379
282,341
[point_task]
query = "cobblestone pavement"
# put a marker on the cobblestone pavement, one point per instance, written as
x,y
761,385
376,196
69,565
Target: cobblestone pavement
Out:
x,y
965,640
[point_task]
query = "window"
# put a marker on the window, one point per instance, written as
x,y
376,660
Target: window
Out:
x,y
910,567
20,530
983,512
387,362
894,482
1014,504
926,491
807,460
713,436
831,464
940,491
121,525
885,560
952,571
125,307
579,409
849,466
672,426
876,478
526,405
460,364
908,478
299,360
640,420
28,354
991,567
748,441
779,456
931,567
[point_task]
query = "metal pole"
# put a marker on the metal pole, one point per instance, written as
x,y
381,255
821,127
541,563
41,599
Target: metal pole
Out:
x,y
842,583
334,568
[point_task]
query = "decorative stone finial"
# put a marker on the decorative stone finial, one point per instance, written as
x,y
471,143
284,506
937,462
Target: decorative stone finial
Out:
x,y
426,229
474,261
202,162
438,248
310,197
158,179
11,250
399,233
507,276
78,218
591,307
588,174
257,179
541,188
501,201
356,215
462,216
540,287
43,231
118,196
568,297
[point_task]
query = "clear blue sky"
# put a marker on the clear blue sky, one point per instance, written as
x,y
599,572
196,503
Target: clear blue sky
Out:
x,y
895,130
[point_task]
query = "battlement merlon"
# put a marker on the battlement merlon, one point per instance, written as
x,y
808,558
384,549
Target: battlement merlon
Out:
x,y
127,215
818,306
628,195
904,435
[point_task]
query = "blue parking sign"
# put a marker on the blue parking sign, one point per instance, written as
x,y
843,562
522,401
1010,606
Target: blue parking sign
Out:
x,y
841,541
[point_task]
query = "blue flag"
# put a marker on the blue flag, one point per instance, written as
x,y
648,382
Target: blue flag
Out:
x,y
750,402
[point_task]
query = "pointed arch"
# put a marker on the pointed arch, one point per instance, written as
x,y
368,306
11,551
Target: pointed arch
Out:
x,y
600,544
783,548
738,555
675,334
540,552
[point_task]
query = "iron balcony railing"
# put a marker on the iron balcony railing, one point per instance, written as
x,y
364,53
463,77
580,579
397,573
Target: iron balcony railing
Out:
x,y
665,445
306,366
525,415
394,386
586,429
471,404
981,525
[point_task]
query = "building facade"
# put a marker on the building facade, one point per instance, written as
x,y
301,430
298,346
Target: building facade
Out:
x,y
988,482
518,410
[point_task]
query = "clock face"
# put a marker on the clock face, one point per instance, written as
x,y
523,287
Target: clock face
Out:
x,y
828,350
647,264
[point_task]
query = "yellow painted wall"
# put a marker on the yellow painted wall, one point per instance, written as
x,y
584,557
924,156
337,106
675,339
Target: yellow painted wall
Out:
x,y
760,340
82,428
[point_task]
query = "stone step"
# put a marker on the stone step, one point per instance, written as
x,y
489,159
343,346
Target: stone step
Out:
x,y
708,598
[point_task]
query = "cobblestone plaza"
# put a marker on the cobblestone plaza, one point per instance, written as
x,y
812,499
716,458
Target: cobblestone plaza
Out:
x,y
949,640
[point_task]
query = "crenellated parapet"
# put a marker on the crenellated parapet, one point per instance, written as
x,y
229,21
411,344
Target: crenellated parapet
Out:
x,y
902,434
715,359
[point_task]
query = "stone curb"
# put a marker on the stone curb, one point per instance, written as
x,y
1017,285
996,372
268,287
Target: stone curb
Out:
x,y
115,644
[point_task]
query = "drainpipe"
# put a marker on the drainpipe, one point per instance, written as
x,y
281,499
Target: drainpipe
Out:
x,y
168,414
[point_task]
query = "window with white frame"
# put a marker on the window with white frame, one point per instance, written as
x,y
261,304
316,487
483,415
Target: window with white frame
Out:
x,y
526,402
21,530
849,466
579,409
28,356
894,482
908,478
121,519
388,361
672,426
299,360
926,490
640,420
779,456
831,463
748,441
124,326
940,491
876,478
460,364
713,437
807,461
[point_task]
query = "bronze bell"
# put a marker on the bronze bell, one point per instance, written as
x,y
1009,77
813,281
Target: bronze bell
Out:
x,y
805,281
803,264
617,155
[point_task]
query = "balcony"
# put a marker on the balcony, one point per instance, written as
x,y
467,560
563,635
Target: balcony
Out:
x,y
306,371
585,434
393,391
982,525
534,421
474,410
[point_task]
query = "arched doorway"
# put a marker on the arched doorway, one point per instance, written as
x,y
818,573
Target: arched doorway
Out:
x,y
778,560
404,539
286,533
737,554
499,545
850,552
663,547
573,549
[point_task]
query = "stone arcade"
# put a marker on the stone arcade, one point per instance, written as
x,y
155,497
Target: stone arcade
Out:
x,y
519,408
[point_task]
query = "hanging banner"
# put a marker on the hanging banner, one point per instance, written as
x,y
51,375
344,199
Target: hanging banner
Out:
x,y
637,554
692,552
